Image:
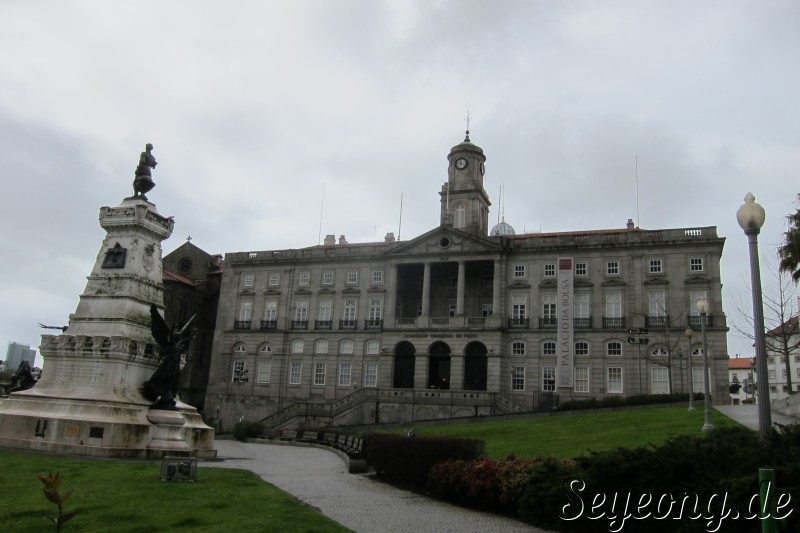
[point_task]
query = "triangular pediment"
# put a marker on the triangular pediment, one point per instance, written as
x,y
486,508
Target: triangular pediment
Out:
x,y
375,288
446,240
548,284
518,284
246,292
350,290
327,290
272,291
583,283
613,282
656,281
698,280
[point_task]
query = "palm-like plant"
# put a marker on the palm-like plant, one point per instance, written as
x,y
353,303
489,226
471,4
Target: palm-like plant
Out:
x,y
51,484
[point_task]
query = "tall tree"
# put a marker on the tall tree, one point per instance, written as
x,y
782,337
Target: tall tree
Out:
x,y
782,335
790,249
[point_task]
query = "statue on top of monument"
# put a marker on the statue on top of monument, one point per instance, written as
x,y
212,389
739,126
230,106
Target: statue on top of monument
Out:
x,y
162,387
143,176
22,379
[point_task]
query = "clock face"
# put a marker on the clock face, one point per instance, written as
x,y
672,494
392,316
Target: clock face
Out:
x,y
461,163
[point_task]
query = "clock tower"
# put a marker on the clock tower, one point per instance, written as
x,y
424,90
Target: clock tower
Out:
x,y
465,204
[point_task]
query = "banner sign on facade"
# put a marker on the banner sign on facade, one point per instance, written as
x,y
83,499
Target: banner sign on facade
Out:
x,y
565,344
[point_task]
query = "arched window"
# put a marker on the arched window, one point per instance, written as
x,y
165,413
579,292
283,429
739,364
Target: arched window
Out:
x,y
518,348
581,348
548,348
460,216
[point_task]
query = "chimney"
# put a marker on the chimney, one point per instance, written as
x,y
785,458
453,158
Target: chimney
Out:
x,y
630,225
342,240
330,240
389,237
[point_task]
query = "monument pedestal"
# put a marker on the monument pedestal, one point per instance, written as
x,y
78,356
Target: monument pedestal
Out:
x,y
89,400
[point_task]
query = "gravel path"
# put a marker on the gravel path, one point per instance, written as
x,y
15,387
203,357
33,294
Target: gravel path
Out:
x,y
320,478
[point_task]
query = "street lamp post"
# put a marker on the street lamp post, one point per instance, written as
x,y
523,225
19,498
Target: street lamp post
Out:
x,y
689,334
708,425
750,217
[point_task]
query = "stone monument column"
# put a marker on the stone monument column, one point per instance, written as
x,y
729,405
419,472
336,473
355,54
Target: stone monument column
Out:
x,y
90,400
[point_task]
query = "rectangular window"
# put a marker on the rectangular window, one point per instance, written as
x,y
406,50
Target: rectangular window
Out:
x,y
772,374
249,280
274,279
371,375
319,373
344,374
486,310
694,297
352,277
581,305
453,283
305,278
238,371
612,268
549,348
657,306
350,306
451,310
549,270
377,276
325,307
246,311
517,378
294,372
659,378
327,278
581,379
519,307
488,282
581,348
614,384
581,269
548,379
697,379
301,311
519,271
695,264
517,348
373,347
263,372
297,346
656,266
271,310
549,306
375,309
613,305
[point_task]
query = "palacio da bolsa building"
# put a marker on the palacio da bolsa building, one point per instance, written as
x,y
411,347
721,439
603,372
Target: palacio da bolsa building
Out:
x,y
464,320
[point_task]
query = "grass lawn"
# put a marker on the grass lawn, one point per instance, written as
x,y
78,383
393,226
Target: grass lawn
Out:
x,y
571,435
128,496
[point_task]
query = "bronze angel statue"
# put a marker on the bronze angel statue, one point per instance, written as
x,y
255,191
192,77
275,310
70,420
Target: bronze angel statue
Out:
x,y
162,387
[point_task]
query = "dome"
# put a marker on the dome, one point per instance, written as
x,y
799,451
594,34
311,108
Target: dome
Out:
x,y
502,229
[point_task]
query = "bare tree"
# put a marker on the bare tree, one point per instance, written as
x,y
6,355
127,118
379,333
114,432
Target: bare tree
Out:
x,y
782,336
666,347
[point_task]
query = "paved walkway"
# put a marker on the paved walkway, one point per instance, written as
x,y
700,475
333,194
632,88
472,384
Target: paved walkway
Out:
x,y
319,478
747,415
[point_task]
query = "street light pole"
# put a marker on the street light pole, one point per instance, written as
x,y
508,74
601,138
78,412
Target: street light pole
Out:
x,y
708,425
689,334
750,217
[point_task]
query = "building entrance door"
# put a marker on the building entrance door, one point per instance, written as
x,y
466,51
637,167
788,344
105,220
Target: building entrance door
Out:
x,y
475,367
439,366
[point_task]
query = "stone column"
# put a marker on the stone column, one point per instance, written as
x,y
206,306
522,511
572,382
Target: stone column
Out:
x,y
460,289
391,295
426,291
496,286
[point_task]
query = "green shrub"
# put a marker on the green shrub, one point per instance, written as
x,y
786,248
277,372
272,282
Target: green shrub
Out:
x,y
244,430
617,401
407,460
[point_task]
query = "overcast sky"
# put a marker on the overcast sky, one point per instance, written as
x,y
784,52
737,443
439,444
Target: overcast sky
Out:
x,y
255,107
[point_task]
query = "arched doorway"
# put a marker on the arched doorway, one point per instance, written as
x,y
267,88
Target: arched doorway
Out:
x,y
403,366
439,366
475,366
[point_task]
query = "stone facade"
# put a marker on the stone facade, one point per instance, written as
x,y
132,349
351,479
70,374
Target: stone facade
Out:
x,y
457,323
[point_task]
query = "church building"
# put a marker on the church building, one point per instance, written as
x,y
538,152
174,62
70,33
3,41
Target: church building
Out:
x,y
464,320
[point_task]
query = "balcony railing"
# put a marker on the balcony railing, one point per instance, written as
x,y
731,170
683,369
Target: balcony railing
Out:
x,y
242,324
406,321
269,324
582,323
373,323
695,321
348,324
518,323
299,324
440,321
613,322
653,321
322,324
548,322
